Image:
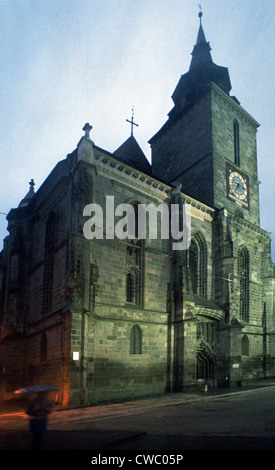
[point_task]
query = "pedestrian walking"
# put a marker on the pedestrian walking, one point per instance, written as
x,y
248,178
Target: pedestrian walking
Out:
x,y
38,410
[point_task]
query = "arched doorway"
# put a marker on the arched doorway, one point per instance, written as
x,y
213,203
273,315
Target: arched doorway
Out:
x,y
206,363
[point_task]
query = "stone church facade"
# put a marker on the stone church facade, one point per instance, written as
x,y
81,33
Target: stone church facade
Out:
x,y
107,318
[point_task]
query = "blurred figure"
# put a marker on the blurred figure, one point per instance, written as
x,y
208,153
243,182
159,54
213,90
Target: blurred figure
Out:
x,y
38,411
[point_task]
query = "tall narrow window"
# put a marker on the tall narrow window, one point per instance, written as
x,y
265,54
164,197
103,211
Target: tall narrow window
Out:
x,y
134,273
244,284
236,143
198,265
193,263
245,346
130,287
136,340
48,264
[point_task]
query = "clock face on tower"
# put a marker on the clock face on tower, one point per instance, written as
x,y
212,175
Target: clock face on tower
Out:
x,y
237,184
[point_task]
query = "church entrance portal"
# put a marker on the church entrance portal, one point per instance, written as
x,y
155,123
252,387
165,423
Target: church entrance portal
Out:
x,y
206,363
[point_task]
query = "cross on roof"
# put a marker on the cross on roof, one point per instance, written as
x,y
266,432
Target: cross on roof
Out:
x,y
87,128
132,122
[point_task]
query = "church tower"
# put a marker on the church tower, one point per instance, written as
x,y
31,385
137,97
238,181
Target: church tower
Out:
x,y
208,143
208,148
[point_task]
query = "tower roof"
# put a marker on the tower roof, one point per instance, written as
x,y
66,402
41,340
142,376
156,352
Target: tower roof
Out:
x,y
202,71
131,154
201,52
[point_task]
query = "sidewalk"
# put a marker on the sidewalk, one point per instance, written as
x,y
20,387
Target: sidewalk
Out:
x,y
16,407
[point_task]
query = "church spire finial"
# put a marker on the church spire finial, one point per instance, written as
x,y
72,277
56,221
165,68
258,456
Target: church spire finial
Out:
x,y
87,128
201,52
132,122
32,184
200,13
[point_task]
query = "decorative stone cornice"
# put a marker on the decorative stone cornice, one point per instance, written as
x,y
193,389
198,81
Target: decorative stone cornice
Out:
x,y
250,226
237,108
134,177
157,188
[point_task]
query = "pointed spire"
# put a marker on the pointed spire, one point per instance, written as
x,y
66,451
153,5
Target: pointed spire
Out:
x,y
201,36
201,52
29,195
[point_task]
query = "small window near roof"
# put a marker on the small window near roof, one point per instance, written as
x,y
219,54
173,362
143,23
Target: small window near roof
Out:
x,y
236,143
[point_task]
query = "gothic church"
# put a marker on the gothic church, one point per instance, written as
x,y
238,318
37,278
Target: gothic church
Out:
x,y
111,319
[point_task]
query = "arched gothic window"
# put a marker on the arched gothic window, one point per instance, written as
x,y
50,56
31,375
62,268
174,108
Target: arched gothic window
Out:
x,y
244,284
134,273
236,142
48,263
132,285
197,265
136,340
245,346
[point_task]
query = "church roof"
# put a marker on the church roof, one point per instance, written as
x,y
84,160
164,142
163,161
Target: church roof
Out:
x,y
131,154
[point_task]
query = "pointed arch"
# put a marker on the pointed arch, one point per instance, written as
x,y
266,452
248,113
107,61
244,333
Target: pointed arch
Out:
x,y
206,361
198,264
132,285
245,346
136,340
243,262
134,274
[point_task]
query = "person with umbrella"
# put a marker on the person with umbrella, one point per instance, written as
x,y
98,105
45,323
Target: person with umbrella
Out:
x,y
38,410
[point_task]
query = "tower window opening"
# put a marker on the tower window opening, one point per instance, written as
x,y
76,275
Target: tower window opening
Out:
x,y
236,142
130,287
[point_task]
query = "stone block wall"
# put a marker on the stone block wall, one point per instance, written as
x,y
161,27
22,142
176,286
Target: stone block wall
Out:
x,y
107,369
171,155
224,112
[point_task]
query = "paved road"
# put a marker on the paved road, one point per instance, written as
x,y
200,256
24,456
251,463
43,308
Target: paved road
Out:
x,y
243,420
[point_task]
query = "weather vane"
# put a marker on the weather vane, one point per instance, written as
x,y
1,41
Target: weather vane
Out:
x,y
132,122
200,13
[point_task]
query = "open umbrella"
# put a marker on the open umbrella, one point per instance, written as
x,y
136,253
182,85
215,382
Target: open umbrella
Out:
x,y
36,389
